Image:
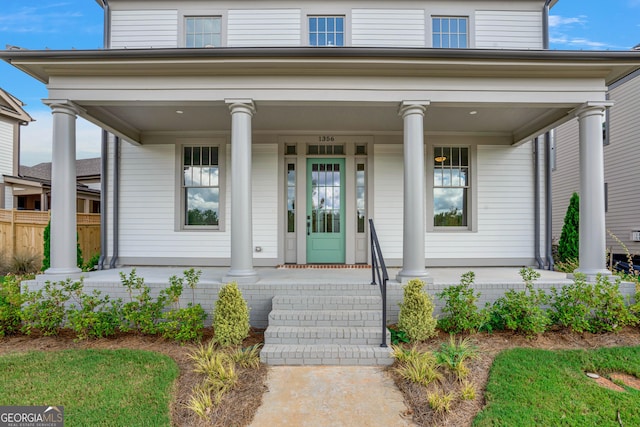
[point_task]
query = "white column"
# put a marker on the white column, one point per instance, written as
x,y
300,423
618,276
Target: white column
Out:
x,y
592,215
241,229
413,249
63,191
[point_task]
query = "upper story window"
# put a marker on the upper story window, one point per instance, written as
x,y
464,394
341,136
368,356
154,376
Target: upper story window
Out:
x,y
450,32
203,31
326,31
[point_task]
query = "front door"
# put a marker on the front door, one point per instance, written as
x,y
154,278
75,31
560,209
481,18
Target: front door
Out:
x,y
325,211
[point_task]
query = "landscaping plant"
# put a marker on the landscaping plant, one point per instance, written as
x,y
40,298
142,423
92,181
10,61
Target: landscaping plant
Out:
x,y
45,309
416,312
453,355
141,313
569,243
460,311
230,316
183,324
521,311
94,315
46,260
10,305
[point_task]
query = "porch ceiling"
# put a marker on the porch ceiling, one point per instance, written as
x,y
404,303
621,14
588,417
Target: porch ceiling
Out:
x,y
145,120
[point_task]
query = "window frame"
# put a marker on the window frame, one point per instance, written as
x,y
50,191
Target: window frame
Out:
x,y
432,33
472,192
213,13
180,192
322,15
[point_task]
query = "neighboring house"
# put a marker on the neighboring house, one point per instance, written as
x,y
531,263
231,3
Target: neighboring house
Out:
x,y
261,133
12,116
32,188
621,134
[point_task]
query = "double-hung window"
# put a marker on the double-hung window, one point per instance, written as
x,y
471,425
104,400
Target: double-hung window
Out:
x,y
450,32
451,185
203,31
201,186
326,31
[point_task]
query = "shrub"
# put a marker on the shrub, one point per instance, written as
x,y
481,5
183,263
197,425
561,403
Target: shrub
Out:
x,y
45,309
460,311
230,316
141,313
416,312
46,260
569,244
24,263
95,316
184,324
420,368
467,390
248,357
440,401
593,307
521,311
10,302
91,264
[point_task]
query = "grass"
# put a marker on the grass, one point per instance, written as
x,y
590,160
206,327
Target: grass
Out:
x,y
96,387
539,387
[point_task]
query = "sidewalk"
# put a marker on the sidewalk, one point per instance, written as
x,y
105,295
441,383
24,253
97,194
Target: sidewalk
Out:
x,y
314,396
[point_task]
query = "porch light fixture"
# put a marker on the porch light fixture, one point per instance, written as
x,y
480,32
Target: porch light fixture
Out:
x,y
473,113
179,112
440,159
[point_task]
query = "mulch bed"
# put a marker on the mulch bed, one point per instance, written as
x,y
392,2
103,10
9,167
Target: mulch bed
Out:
x,y
239,406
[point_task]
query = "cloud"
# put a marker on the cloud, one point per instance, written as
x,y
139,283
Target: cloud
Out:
x,y
36,139
560,21
44,19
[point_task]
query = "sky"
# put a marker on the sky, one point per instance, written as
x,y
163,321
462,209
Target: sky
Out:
x,y
78,24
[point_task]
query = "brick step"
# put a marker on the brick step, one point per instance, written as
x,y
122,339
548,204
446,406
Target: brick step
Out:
x,y
324,335
327,302
325,354
348,318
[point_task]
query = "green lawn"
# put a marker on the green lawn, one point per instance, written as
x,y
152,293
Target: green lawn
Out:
x,y
549,388
96,387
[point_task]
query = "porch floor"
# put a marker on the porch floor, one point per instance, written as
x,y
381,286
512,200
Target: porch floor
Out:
x,y
314,275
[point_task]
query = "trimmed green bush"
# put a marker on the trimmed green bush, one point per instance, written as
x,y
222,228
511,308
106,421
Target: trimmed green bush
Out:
x,y
10,302
416,312
230,316
460,312
46,260
569,244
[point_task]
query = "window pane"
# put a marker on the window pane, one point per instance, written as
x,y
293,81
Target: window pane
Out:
x,y
449,205
331,40
313,24
331,24
313,39
322,39
339,40
340,24
187,156
322,24
202,206
206,156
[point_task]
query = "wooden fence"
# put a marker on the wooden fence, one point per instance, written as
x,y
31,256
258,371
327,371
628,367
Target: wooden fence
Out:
x,y
22,232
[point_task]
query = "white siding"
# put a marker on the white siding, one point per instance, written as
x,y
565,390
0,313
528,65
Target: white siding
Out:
x,y
388,200
8,198
264,27
505,210
265,200
388,27
508,29
147,206
132,29
6,148
505,207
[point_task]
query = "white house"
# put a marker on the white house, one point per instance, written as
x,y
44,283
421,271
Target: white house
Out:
x,y
253,133
12,116
621,173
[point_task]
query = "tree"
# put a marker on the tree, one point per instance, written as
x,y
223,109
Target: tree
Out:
x,y
569,244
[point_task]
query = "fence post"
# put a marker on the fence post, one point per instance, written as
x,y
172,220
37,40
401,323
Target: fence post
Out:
x,y
12,246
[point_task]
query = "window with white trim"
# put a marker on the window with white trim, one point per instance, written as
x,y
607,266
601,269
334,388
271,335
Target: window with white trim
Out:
x,y
450,31
451,186
203,31
326,30
201,186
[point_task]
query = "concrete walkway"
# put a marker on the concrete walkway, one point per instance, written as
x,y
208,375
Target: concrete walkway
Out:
x,y
310,396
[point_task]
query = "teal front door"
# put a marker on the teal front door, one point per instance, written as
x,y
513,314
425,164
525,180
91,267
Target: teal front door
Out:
x,y
325,211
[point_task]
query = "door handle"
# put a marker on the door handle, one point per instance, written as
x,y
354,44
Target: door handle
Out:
x,y
308,226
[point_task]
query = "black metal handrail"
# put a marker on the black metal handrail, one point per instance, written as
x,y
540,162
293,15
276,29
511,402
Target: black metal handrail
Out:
x,y
379,276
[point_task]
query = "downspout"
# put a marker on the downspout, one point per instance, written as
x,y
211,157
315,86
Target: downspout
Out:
x,y
548,205
104,164
548,140
116,201
104,160
536,202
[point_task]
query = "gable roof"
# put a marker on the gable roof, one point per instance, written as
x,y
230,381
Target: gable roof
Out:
x,y
85,169
11,107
